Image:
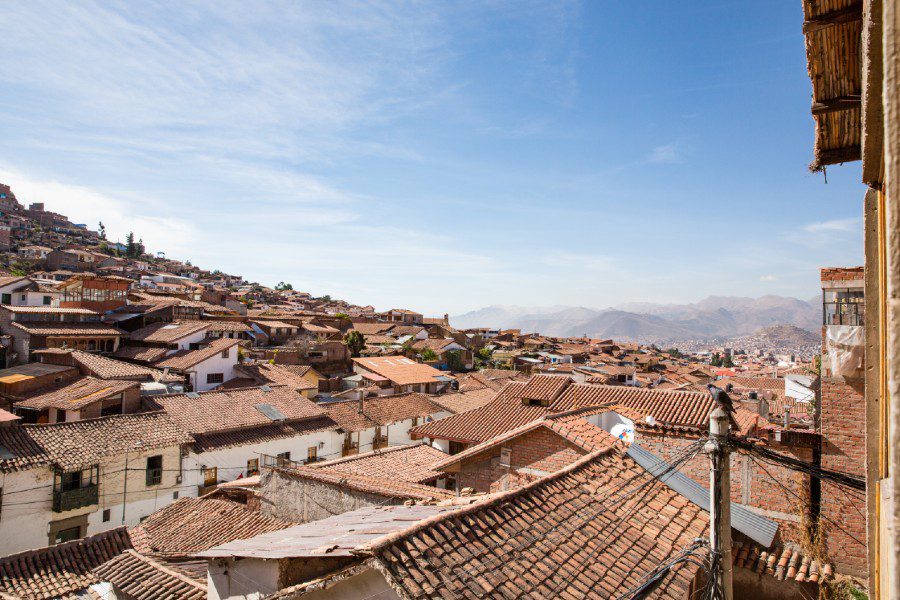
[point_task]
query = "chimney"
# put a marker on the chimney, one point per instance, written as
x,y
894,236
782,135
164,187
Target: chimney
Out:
x,y
360,394
764,408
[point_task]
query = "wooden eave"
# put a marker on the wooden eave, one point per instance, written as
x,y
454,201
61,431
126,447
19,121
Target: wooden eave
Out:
x,y
833,33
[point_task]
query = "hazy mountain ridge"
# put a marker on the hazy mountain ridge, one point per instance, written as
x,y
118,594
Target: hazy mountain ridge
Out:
x,y
713,317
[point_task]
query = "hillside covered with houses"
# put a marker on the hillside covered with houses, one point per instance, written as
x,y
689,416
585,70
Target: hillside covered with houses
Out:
x,y
170,429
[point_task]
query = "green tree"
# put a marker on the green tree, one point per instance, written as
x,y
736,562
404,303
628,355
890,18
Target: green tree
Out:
x,y
716,360
102,230
727,362
283,287
483,356
343,316
455,360
674,353
139,249
355,342
130,246
429,355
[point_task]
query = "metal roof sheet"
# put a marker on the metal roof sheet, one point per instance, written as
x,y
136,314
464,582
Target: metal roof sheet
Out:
x,y
754,526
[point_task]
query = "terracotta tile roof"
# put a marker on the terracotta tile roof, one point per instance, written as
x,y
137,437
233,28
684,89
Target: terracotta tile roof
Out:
x,y
185,359
775,384
371,328
80,444
781,562
457,402
205,442
62,570
109,368
545,388
139,577
385,410
191,525
400,370
167,332
236,326
347,416
228,410
506,411
670,408
386,487
68,329
48,310
289,375
19,451
76,394
570,426
406,463
140,353
478,381
580,540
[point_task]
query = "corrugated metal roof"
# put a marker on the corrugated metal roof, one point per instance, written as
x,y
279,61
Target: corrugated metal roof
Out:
x,y
335,536
758,528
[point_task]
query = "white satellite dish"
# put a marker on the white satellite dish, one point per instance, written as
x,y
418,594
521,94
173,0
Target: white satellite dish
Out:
x,y
650,420
623,431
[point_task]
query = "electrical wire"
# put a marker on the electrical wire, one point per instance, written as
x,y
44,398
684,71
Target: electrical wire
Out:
x,y
524,541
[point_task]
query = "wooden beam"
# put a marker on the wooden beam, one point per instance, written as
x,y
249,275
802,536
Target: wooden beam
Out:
x,y
836,104
834,156
844,15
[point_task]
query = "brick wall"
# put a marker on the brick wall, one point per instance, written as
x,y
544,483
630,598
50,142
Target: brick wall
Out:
x,y
750,484
843,419
842,273
531,455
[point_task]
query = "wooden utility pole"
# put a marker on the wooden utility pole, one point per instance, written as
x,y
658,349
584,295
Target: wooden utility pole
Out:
x,y
720,497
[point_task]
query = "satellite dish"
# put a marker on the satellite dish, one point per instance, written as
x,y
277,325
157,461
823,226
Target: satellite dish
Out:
x,y
650,420
623,431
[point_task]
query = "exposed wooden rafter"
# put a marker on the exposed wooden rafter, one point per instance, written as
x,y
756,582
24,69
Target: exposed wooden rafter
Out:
x,y
838,155
836,104
844,15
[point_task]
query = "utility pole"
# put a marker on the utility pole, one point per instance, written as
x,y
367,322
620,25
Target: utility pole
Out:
x,y
720,494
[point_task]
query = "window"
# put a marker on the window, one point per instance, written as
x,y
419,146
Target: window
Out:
x,y
252,467
67,535
210,476
282,459
193,346
456,447
226,352
154,470
312,453
48,300
74,480
215,377
22,297
174,495
844,307
5,298
106,515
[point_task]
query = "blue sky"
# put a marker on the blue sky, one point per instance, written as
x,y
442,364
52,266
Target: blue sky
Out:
x,y
436,156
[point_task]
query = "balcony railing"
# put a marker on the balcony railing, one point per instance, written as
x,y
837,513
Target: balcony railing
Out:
x,y
76,498
154,476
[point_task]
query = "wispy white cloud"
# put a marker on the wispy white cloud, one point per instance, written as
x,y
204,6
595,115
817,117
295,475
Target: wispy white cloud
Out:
x,y
665,154
768,278
852,224
90,206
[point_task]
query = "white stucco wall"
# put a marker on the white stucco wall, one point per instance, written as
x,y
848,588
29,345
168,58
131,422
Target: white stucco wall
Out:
x,y
244,579
25,511
232,462
214,364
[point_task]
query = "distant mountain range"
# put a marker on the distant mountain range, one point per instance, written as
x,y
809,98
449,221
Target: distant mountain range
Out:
x,y
713,317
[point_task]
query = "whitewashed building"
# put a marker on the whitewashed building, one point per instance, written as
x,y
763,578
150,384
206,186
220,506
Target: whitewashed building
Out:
x,y
68,480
